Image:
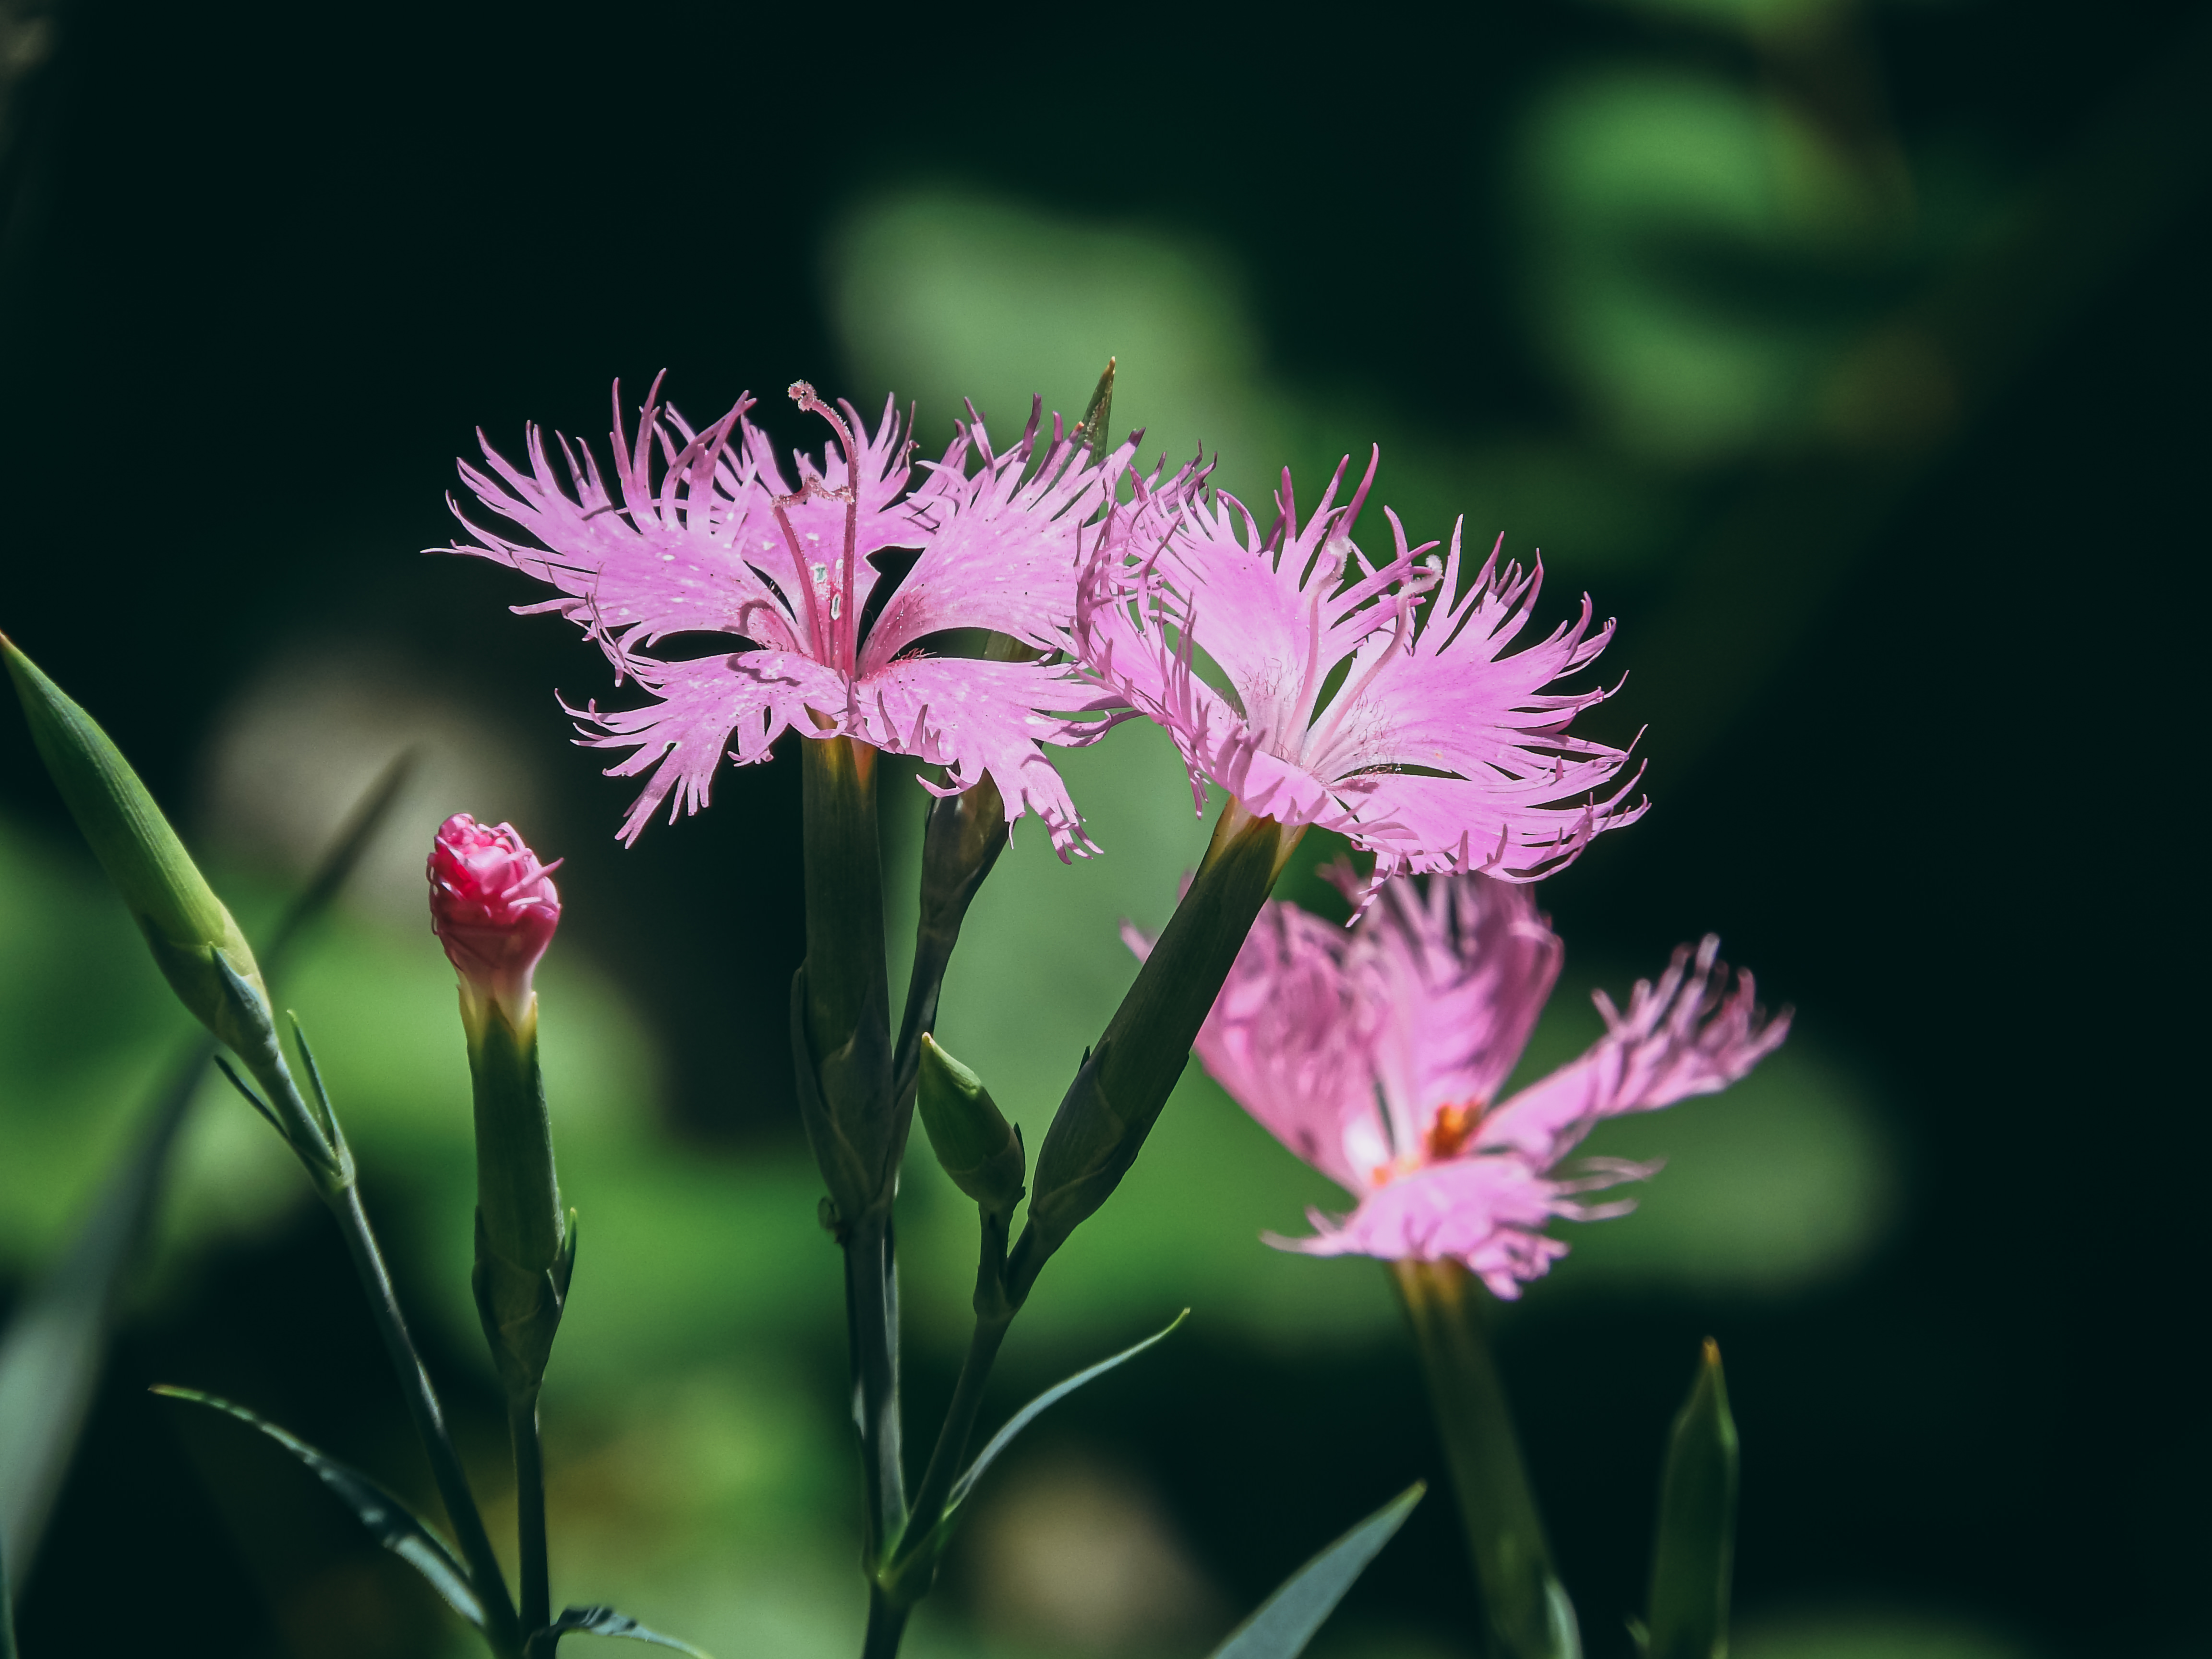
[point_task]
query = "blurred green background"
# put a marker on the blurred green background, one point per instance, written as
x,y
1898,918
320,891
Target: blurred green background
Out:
x,y
1853,355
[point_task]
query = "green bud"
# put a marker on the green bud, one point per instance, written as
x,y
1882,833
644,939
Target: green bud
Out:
x,y
1693,1555
185,923
1124,1083
979,1149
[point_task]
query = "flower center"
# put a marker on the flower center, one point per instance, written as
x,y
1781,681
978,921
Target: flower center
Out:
x,y
1449,1129
1446,1138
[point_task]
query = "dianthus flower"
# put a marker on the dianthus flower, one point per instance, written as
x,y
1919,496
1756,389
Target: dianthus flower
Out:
x,y
724,543
1376,1053
1438,753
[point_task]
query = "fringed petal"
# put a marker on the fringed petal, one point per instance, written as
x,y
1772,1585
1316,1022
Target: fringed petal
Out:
x,y
1688,1035
679,740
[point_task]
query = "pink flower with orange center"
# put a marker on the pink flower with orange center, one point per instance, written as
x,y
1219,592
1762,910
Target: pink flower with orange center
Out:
x,y
1376,1053
704,533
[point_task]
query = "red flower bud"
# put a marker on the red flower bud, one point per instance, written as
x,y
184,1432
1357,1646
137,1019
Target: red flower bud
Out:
x,y
493,907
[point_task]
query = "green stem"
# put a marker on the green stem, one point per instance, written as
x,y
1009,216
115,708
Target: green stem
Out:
x,y
500,1628
994,1315
886,1625
871,1315
529,1510
1530,1616
7,1613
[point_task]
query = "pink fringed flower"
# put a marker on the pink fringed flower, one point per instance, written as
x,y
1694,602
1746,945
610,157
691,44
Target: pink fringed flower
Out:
x,y
1438,753
723,543
1375,1055
493,907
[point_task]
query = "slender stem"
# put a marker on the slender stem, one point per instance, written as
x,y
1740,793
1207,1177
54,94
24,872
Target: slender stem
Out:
x,y
993,1314
7,1613
529,1510
501,1630
1530,1616
871,1315
886,1625
959,1421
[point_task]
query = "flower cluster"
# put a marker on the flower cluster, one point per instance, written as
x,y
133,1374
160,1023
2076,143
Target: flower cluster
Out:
x,y
1376,1053
1437,751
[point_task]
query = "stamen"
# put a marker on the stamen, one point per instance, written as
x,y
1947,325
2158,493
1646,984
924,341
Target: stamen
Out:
x,y
1449,1130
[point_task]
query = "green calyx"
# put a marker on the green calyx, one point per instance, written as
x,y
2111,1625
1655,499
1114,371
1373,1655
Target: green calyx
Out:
x,y
840,1019
979,1149
185,925
523,1251
517,1195
1125,1081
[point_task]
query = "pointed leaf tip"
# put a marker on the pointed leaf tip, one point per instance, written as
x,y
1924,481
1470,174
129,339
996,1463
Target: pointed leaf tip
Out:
x,y
1286,1620
387,1520
1052,1397
605,1621
1692,1555
185,925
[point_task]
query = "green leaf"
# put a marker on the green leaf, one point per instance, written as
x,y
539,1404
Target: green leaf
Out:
x,y
1288,1620
1029,1413
388,1520
602,1622
55,1346
1694,1553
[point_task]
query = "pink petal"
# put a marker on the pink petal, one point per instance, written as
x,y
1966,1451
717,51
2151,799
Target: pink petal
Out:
x,y
1486,1212
976,717
1002,549
1689,1034
1456,975
1288,1038
680,739
1499,786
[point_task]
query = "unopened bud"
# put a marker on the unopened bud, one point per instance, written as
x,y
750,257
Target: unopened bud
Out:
x,y
493,907
185,923
979,1149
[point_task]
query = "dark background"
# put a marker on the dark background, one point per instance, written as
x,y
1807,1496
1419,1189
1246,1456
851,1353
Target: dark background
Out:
x,y
263,271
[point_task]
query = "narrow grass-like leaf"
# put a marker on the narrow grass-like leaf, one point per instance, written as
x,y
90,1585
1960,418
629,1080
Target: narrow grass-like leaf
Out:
x,y
601,1621
1288,1620
1029,1413
388,1521
55,1346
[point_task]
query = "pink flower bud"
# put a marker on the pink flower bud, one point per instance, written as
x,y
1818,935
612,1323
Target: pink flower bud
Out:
x,y
493,907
